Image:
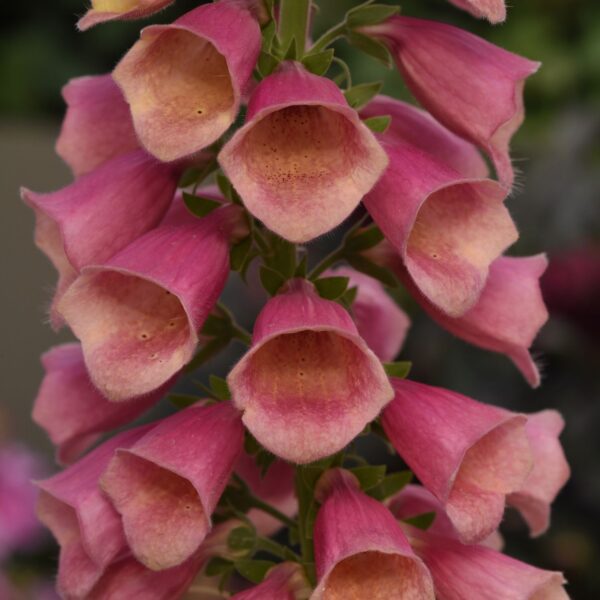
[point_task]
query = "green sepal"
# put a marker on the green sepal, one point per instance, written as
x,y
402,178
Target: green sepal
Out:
x,y
189,177
302,267
423,521
242,539
370,14
253,570
399,369
271,280
239,253
200,206
359,95
266,64
369,476
219,387
390,485
182,401
372,47
251,446
282,257
217,565
331,288
320,62
268,35
364,265
363,239
378,124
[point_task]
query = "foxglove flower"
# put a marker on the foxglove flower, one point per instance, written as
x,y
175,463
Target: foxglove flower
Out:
x,y
166,485
360,550
508,314
309,384
379,320
303,160
82,519
469,455
136,315
110,10
464,572
285,581
184,81
72,411
97,125
492,10
469,85
549,474
100,213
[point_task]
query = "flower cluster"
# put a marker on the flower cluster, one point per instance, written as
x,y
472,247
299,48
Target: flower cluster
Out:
x,y
171,192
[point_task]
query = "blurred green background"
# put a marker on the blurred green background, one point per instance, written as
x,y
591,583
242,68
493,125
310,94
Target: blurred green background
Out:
x,y
556,205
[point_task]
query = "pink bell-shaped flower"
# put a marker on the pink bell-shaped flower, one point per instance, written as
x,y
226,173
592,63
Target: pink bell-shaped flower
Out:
x,y
286,581
167,484
469,85
102,11
469,455
309,384
72,411
184,81
303,160
492,10
360,550
138,314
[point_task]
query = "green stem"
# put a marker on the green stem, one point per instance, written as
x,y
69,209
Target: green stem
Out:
x,y
239,333
330,36
327,262
276,549
293,24
271,510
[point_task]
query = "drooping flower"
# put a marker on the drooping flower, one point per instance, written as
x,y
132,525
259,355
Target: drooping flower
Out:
x,y
167,484
492,10
469,455
102,11
86,526
97,125
138,314
184,81
360,550
464,572
303,160
549,474
100,213
309,384
286,581
72,411
379,320
469,85
508,314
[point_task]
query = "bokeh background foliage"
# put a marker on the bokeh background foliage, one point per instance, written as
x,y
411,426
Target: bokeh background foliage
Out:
x,y
556,206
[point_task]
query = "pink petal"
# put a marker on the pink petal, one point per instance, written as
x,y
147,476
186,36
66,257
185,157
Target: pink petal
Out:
x,y
283,582
379,320
276,487
492,10
303,160
184,81
413,126
361,552
471,86
549,474
447,229
309,384
137,317
469,455
110,10
83,521
167,484
97,125
72,411
508,315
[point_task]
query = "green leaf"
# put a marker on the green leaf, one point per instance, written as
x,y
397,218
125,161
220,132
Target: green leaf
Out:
x,y
369,476
266,63
301,268
225,186
251,446
378,124
371,47
370,15
189,177
364,265
399,369
331,288
219,387
199,206
320,62
268,34
182,400
264,459
215,326
349,296
242,539
359,95
253,570
283,257
363,239
206,353
390,485
271,280
422,521
239,253
217,565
